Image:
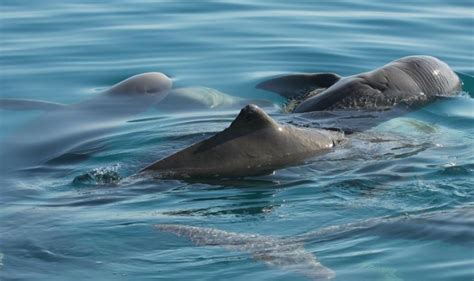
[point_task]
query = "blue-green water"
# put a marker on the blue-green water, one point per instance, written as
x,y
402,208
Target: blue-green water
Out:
x,y
61,51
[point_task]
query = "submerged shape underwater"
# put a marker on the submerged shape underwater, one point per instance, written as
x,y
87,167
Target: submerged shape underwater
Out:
x,y
392,201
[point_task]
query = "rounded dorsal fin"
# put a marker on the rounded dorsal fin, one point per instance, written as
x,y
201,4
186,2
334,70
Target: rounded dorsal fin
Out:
x,y
252,117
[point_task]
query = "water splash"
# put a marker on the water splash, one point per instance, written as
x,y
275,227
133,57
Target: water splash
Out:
x,y
99,176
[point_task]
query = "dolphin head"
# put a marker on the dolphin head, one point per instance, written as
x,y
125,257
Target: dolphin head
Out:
x,y
132,95
153,85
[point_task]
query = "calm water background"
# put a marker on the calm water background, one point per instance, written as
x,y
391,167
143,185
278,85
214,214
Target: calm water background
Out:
x,y
61,51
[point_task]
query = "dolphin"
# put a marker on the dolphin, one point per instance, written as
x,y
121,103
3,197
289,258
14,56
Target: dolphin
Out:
x,y
288,253
411,81
199,98
65,129
253,144
285,254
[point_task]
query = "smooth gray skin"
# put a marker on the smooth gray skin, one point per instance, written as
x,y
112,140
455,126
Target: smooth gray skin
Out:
x,y
69,129
254,144
454,226
203,98
412,81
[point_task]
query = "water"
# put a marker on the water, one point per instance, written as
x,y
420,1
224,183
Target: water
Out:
x,y
55,228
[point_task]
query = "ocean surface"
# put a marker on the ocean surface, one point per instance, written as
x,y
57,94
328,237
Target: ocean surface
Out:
x,y
393,203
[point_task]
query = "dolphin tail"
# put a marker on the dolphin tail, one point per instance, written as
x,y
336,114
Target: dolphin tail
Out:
x,y
294,85
25,104
282,253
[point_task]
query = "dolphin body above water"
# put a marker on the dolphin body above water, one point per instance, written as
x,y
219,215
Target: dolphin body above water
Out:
x,y
64,129
254,144
412,81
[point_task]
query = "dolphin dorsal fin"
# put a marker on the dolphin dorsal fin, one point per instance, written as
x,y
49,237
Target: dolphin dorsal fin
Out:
x,y
294,85
25,104
252,117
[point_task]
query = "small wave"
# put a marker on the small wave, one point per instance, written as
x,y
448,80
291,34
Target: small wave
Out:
x,y
452,169
99,176
149,119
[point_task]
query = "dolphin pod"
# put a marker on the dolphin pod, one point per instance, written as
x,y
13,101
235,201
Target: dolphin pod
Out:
x,y
289,254
68,127
255,144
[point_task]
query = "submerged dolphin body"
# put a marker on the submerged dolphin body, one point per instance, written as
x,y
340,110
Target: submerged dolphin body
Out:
x,y
203,98
412,81
254,144
66,129
287,255
453,226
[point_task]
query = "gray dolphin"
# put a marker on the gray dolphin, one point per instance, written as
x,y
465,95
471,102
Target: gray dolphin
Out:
x,y
413,80
254,144
288,253
67,128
